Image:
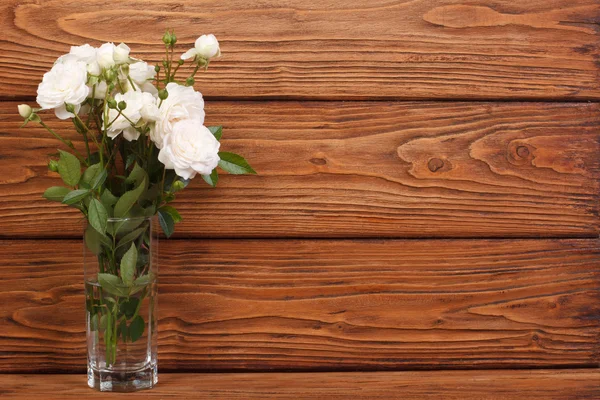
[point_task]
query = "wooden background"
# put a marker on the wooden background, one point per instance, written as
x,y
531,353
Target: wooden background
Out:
x,y
427,195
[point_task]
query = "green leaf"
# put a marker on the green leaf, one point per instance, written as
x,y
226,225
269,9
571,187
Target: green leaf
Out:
x,y
173,213
140,283
143,280
128,263
112,284
136,328
108,199
166,222
131,236
75,196
97,215
128,199
90,173
212,179
151,194
94,240
56,193
99,179
217,131
234,164
130,160
69,168
137,176
126,226
128,307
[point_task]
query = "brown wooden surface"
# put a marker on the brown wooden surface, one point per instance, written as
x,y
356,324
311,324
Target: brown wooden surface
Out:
x,y
330,49
362,169
575,384
324,304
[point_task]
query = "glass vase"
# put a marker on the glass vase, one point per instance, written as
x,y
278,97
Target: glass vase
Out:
x,y
121,273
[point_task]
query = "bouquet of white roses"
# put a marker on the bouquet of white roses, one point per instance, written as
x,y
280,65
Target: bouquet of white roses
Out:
x,y
143,140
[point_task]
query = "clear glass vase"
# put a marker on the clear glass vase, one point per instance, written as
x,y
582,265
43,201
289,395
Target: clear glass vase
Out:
x,y
121,271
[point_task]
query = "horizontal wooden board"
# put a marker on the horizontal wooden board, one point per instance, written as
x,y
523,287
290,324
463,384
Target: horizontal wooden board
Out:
x,y
365,169
447,385
360,49
324,305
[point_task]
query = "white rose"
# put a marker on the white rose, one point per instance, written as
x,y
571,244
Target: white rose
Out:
x,y
141,107
206,47
149,110
85,53
191,148
64,84
121,54
118,123
94,68
100,90
182,103
105,56
142,74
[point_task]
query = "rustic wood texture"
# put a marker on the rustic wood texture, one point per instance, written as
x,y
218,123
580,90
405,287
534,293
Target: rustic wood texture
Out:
x,y
447,385
324,305
365,169
535,49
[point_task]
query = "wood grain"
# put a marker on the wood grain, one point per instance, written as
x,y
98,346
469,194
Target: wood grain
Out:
x,y
360,169
324,305
423,49
447,385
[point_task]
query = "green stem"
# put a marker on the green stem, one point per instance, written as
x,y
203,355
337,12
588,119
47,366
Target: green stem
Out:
x,y
167,66
195,70
175,70
131,82
68,143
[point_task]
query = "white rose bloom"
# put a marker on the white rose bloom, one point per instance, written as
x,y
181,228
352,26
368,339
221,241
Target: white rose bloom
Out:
x,y
85,53
142,74
183,103
94,68
149,110
105,56
100,91
64,83
133,111
206,46
121,54
190,149
141,107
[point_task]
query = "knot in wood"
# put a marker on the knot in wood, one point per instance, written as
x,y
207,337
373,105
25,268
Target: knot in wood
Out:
x,y
523,151
318,161
435,164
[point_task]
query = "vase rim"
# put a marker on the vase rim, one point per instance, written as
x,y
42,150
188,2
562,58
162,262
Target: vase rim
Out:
x,y
113,219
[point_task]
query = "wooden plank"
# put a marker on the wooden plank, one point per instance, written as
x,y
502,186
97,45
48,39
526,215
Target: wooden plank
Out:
x,y
324,305
423,385
366,169
361,49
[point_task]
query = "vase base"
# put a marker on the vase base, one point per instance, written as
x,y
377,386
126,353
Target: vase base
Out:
x,y
122,381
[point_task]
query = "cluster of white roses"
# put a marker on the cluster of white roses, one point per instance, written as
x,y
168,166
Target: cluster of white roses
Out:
x,y
172,117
